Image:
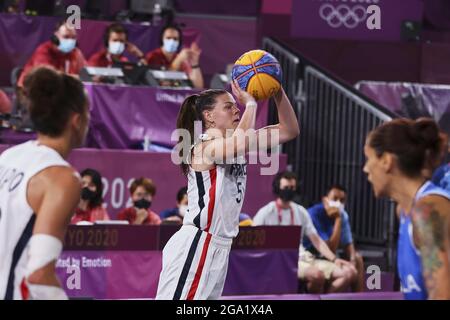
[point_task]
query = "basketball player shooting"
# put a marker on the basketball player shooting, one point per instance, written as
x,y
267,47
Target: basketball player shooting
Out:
x,y
195,260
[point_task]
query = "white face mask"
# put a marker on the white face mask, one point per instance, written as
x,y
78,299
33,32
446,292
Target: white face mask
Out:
x,y
170,45
116,47
182,210
67,45
336,204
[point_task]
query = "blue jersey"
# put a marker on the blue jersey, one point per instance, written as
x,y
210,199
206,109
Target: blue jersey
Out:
x,y
408,256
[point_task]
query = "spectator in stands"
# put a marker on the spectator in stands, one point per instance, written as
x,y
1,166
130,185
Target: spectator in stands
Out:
x,y
245,220
60,52
115,41
90,207
332,224
171,56
441,176
179,211
5,103
9,6
142,192
315,272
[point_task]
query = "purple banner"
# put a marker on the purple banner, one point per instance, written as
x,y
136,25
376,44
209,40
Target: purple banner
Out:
x,y
412,100
124,262
343,19
119,168
121,117
135,274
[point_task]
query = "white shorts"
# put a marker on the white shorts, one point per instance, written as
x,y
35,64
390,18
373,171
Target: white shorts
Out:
x,y
194,266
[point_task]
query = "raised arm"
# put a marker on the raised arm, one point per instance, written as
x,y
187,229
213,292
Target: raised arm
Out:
x,y
245,138
431,230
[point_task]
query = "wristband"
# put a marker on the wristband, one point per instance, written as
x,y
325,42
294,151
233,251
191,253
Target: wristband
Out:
x,y
195,67
251,104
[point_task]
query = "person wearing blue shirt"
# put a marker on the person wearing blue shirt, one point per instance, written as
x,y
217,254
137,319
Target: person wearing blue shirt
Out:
x,y
441,177
333,226
177,213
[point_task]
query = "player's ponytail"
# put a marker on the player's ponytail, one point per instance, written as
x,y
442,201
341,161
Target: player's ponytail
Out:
x,y
191,111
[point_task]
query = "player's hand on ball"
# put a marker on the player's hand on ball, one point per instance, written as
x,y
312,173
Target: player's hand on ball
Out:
x,y
242,96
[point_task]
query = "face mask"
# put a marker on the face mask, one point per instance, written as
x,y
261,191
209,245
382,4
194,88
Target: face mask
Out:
x,y
87,194
67,45
287,194
182,210
336,204
116,48
170,45
142,204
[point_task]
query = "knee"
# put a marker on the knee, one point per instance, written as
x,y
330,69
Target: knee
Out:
x,y
316,276
359,261
351,274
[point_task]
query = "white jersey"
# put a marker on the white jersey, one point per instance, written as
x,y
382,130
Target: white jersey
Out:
x,y
215,198
17,166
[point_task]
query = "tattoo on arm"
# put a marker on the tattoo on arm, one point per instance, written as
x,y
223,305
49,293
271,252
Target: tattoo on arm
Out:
x,y
430,232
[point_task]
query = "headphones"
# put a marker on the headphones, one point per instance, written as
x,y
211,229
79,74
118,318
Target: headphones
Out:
x,y
115,27
54,39
175,27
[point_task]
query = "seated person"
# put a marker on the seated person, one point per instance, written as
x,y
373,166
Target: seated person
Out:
x,y
142,192
441,176
60,53
5,103
180,210
245,220
90,207
170,57
332,224
315,272
115,40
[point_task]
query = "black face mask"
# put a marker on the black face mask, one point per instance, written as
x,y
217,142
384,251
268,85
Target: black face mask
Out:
x,y
87,194
142,204
287,194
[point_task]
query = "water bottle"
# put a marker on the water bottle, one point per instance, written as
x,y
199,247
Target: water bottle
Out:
x,y
147,143
156,19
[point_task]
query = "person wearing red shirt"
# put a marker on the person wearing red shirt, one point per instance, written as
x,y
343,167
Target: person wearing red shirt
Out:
x,y
90,207
59,53
142,193
170,57
5,103
116,42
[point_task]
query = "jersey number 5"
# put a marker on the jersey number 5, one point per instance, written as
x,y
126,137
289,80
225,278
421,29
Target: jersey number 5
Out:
x,y
239,197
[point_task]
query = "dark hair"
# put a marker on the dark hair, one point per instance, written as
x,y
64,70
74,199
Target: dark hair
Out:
x,y
191,111
181,193
418,144
52,97
148,185
54,39
115,27
168,27
335,186
282,175
97,181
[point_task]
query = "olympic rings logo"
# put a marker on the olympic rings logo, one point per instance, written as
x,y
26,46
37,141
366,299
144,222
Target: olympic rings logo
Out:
x,y
343,15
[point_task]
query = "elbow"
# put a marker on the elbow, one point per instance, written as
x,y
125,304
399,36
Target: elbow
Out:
x,y
294,132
